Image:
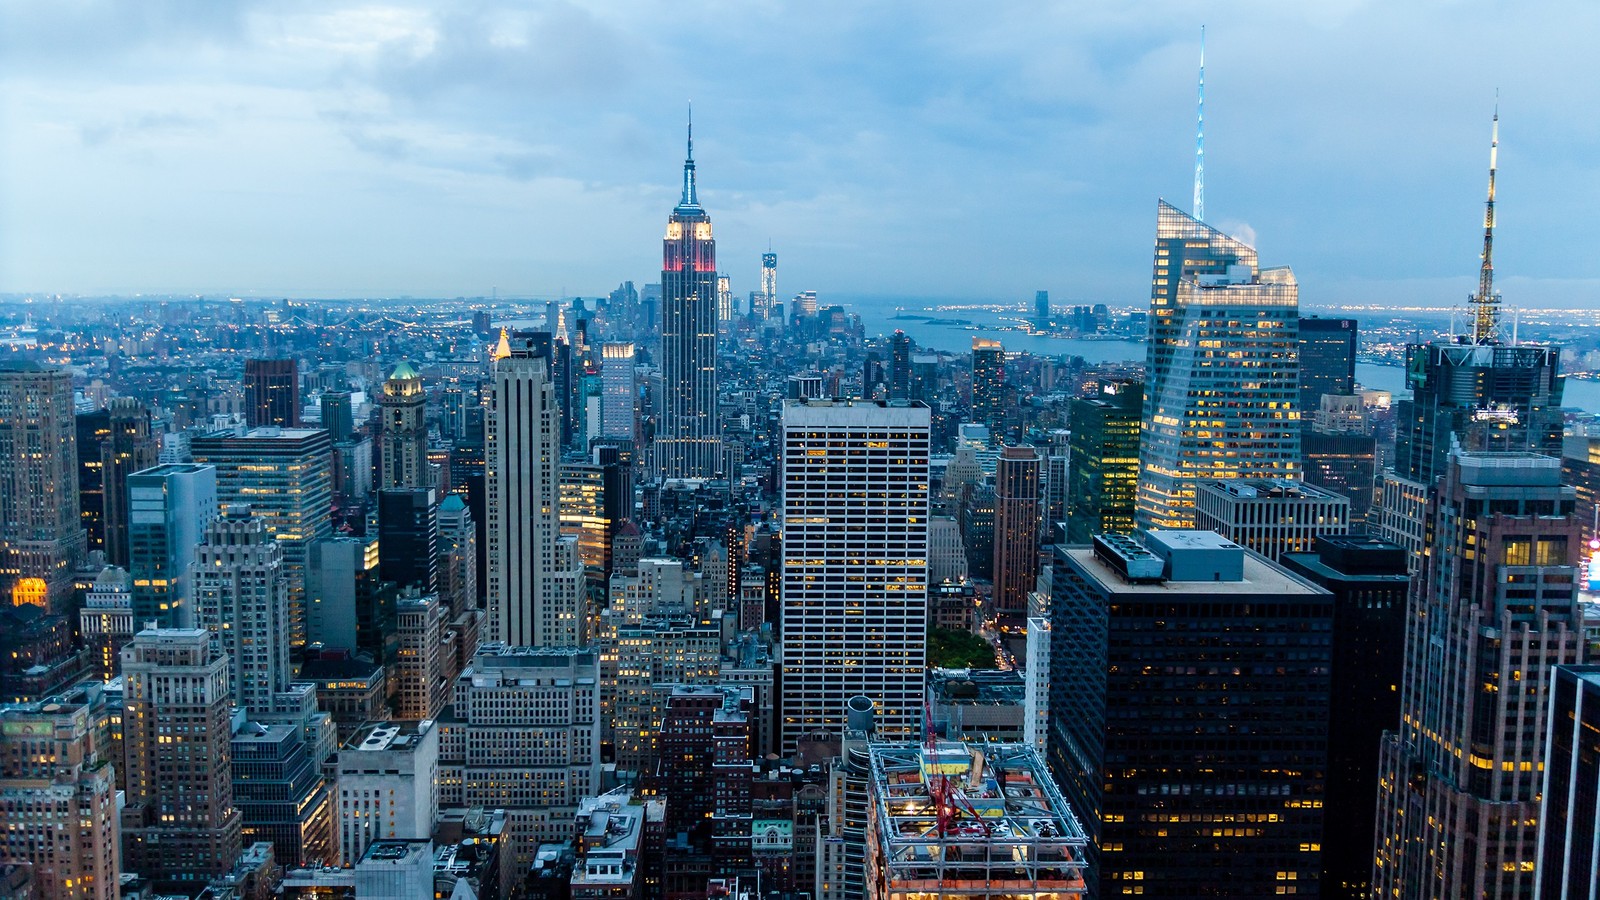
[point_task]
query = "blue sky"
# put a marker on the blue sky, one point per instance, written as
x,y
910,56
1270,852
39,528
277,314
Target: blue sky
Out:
x,y
953,150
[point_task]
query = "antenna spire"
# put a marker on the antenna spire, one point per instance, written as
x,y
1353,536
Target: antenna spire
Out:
x,y
1200,137
1486,303
690,198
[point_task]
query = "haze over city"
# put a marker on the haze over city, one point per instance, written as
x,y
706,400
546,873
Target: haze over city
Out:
x,y
939,150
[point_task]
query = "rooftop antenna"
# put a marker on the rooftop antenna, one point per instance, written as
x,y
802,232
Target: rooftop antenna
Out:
x,y
690,198
1200,137
1486,303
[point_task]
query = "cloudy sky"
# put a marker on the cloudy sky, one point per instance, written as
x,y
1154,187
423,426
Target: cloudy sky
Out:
x,y
960,150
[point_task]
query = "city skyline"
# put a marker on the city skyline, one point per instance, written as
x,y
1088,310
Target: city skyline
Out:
x,y
234,151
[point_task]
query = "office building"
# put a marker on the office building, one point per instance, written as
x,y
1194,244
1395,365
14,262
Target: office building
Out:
x,y
530,603
403,431
989,384
338,415
619,391
388,774
1494,611
93,429
1569,859
900,366
595,499
41,538
1368,580
241,598
271,393
282,796
106,621
855,553
408,538
418,673
1183,794
350,606
180,826
1342,463
1270,517
283,475
129,447
58,795
1222,384
1041,309
771,309
170,507
458,555
523,734
1016,528
1327,360
688,442
949,820
1103,463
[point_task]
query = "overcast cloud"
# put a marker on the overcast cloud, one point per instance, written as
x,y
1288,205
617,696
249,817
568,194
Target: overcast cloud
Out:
x,y
963,150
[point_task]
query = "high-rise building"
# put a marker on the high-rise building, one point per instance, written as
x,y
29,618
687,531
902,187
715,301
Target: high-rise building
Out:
x,y
242,599
388,784
271,393
458,555
1493,612
282,796
1270,517
989,384
1041,309
58,795
418,673
855,563
688,440
1569,860
106,621
618,391
1369,583
1189,715
596,498
1222,386
1327,360
348,606
283,475
528,603
179,826
724,299
338,415
769,287
1016,528
129,447
900,366
408,538
523,734
1103,463
403,431
41,538
170,508
93,429
1344,464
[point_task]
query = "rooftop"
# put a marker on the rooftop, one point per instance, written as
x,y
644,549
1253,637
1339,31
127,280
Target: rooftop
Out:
x,y
1260,577
398,736
1007,828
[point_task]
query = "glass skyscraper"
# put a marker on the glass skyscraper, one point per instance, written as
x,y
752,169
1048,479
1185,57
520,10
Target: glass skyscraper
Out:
x,y
1223,382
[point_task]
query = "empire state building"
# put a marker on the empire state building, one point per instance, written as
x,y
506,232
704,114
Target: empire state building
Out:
x,y
689,440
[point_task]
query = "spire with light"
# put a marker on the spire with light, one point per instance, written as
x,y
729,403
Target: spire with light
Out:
x,y
690,198
1486,303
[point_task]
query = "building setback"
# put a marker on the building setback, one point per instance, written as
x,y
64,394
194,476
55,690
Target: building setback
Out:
x,y
1270,517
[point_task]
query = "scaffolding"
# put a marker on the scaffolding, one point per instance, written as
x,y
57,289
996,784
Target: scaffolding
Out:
x,y
955,820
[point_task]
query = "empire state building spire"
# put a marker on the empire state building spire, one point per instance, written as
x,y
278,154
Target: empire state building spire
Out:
x,y
690,199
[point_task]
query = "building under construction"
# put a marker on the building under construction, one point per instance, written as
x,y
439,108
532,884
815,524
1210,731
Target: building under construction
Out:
x,y
955,820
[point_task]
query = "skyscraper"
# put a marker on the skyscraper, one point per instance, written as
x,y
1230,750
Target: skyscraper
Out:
x,y
1222,381
1016,528
855,563
688,443
129,447
1189,715
271,393
242,599
900,366
769,287
58,796
528,605
170,507
284,475
1493,612
1041,309
403,448
338,418
1103,463
1569,860
989,384
408,538
618,391
180,825
41,540
1327,360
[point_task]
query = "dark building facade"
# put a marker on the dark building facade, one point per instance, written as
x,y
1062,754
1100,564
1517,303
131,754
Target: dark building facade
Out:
x,y
408,538
1103,463
1189,714
271,393
1368,580
1016,527
1345,464
1569,864
1327,359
